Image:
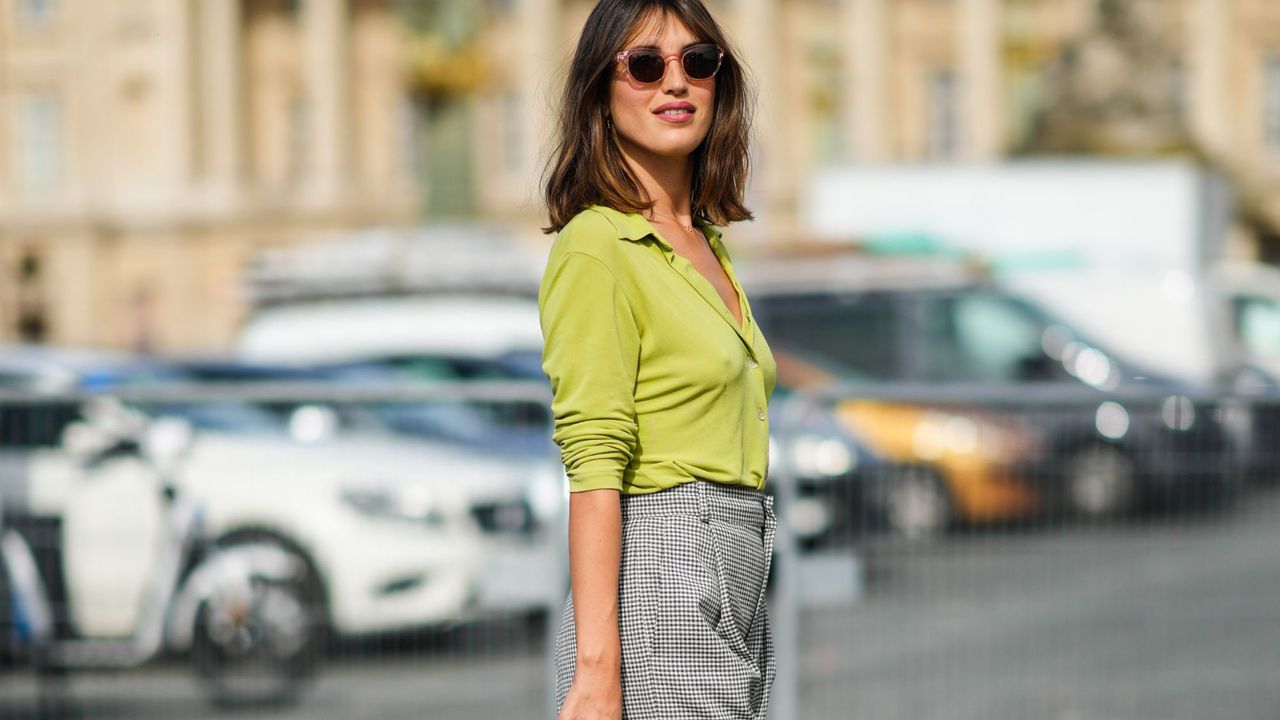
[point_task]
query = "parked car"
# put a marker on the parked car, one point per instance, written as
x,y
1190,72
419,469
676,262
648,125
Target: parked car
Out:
x,y
509,427
939,466
240,611
1174,323
939,324
843,487
398,533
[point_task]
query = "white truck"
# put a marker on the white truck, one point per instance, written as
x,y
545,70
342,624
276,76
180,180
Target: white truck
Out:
x,y
1122,249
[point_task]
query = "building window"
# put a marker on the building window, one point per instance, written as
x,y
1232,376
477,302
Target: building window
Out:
x,y
29,305
36,13
39,142
1271,100
943,114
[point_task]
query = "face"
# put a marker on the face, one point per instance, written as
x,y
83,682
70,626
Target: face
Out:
x,y
668,118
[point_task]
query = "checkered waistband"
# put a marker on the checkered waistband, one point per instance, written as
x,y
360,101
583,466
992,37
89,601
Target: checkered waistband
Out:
x,y
706,500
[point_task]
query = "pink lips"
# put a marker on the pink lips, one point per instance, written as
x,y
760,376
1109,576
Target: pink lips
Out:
x,y
684,112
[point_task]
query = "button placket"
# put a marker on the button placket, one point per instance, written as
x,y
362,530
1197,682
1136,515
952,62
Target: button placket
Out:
x,y
703,287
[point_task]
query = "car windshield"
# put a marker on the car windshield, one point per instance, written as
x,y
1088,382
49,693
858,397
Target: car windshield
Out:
x,y
236,418
516,424
514,365
1258,322
854,336
981,337
523,364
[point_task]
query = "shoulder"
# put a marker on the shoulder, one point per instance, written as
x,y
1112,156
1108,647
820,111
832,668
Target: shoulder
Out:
x,y
590,232
594,220
592,249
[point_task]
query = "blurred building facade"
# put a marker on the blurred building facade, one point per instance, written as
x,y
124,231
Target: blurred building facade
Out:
x,y
149,147
910,81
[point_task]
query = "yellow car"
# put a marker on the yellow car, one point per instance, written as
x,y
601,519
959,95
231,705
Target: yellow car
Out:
x,y
944,464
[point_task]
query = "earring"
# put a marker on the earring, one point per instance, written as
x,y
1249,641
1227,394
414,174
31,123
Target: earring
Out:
x,y
608,123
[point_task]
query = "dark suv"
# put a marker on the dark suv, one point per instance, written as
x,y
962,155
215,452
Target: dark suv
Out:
x,y
1116,436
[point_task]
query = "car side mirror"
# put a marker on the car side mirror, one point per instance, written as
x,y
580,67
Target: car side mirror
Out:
x,y
166,440
92,444
1035,367
84,440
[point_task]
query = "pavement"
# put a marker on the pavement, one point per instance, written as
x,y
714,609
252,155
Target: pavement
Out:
x,y
1169,619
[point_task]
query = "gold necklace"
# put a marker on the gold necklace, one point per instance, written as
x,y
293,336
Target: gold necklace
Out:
x,y
686,227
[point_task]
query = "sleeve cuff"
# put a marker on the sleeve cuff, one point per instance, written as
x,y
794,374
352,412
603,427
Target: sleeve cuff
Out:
x,y
595,481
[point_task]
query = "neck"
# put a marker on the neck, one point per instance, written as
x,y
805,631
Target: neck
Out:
x,y
667,181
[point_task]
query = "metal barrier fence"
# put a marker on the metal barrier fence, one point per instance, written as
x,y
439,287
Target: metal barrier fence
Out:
x,y
1098,556
312,550
967,553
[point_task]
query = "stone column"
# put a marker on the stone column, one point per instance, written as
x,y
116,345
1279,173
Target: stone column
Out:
x,y
865,57
176,25
978,41
758,32
1210,100
544,44
220,131
324,31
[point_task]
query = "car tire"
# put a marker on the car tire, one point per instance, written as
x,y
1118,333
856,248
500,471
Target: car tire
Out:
x,y
253,675
1100,482
917,504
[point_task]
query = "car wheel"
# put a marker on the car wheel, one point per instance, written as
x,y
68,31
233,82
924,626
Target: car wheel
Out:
x,y
259,649
1100,483
917,504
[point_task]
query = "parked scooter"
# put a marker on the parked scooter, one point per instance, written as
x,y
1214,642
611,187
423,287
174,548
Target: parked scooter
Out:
x,y
238,612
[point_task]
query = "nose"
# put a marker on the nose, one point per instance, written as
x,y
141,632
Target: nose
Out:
x,y
673,80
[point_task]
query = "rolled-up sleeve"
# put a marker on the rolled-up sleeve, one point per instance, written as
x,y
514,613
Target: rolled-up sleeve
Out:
x,y
590,354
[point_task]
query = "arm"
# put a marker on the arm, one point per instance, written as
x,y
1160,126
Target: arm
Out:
x,y
595,545
590,354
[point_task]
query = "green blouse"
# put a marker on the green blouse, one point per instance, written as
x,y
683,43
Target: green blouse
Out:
x,y
653,381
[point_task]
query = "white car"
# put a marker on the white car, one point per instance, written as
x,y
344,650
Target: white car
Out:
x,y
399,533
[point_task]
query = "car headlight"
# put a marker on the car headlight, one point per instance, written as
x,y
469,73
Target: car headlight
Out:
x,y
406,503
1178,412
821,456
941,433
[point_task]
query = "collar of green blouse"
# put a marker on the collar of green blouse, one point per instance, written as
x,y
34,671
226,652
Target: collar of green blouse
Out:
x,y
633,226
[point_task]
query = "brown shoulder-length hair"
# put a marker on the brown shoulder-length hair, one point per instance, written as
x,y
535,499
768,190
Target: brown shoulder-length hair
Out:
x,y
587,166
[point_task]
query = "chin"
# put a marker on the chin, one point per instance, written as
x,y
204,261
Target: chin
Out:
x,y
683,150
674,145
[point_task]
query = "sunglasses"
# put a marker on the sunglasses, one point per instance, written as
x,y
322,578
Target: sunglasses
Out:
x,y
700,62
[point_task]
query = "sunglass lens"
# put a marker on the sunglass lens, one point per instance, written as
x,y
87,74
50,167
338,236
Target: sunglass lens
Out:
x,y
645,67
701,63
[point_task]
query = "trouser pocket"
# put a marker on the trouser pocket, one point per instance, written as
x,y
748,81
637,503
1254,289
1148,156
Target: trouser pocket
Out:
x,y
711,577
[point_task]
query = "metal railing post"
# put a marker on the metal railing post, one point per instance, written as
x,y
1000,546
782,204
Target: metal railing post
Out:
x,y
559,542
785,700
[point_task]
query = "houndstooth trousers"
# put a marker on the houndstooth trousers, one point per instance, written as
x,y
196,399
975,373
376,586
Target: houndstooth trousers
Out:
x,y
692,617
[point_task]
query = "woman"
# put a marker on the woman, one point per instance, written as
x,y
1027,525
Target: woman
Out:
x,y
660,377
